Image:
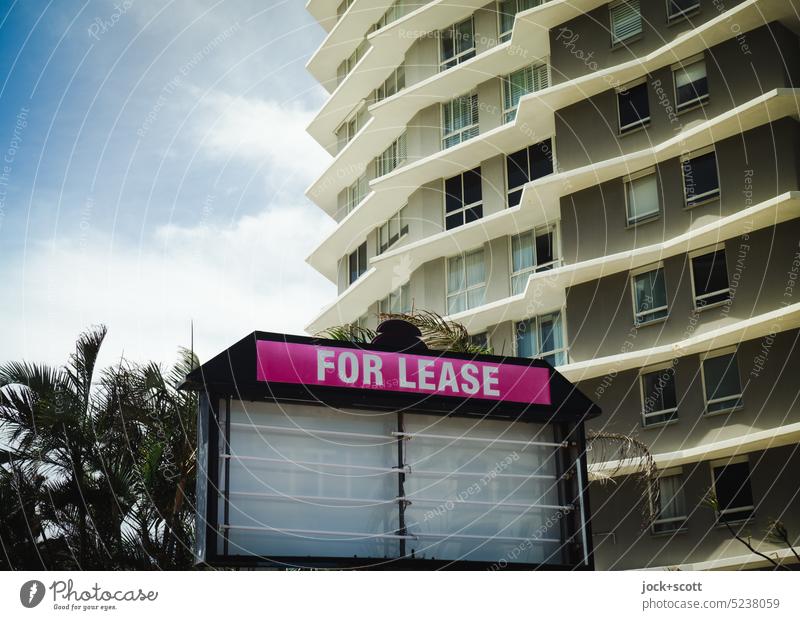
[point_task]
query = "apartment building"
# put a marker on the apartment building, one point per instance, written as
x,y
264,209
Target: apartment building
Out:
x,y
613,187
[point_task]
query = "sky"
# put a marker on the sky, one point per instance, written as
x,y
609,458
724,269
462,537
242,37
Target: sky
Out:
x,y
153,166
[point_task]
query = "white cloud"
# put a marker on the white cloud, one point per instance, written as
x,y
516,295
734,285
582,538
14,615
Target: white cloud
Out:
x,y
230,282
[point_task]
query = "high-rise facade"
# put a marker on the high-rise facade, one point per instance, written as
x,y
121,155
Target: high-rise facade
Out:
x,y
611,186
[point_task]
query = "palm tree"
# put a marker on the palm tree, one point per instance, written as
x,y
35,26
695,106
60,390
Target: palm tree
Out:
x,y
96,472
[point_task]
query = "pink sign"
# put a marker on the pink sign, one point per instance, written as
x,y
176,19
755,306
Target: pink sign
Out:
x,y
313,365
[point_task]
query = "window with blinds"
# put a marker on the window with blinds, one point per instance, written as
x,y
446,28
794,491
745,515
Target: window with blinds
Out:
x,y
393,84
691,84
459,120
626,21
392,157
507,12
520,83
466,281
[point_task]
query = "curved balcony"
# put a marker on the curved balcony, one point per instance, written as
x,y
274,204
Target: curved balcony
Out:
x,y
344,38
759,326
547,291
539,203
534,122
388,47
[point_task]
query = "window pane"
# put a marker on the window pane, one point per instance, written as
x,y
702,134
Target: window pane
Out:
x,y
544,248
671,501
453,196
464,36
454,221
700,178
634,108
710,273
658,389
455,274
721,376
642,198
691,83
472,186
550,333
457,303
732,486
473,213
507,10
541,158
677,7
650,291
522,251
517,168
476,272
527,345
448,50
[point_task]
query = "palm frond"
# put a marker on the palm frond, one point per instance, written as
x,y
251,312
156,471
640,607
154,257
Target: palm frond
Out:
x,y
439,333
348,333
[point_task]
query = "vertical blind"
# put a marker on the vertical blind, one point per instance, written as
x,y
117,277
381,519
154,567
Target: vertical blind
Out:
x,y
626,20
642,198
520,83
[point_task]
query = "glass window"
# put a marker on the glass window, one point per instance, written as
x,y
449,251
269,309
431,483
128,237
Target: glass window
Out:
x,y
392,231
671,505
463,199
723,390
520,83
459,120
357,192
732,488
525,166
396,302
507,11
634,108
691,84
357,262
626,21
710,279
480,341
659,404
700,180
392,156
679,8
349,63
466,281
542,337
399,8
641,195
531,252
649,296
393,84
457,44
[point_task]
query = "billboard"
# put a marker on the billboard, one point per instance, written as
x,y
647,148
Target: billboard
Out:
x,y
319,453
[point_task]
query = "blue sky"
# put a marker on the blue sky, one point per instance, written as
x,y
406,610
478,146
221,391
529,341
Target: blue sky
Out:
x,y
154,159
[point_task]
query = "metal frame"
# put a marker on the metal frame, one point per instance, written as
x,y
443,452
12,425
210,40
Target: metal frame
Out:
x,y
231,375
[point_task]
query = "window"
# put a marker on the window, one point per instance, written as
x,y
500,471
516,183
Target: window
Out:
x,y
463,199
680,8
641,196
710,279
342,8
399,8
691,84
507,11
542,337
457,44
626,21
395,228
357,192
520,83
351,127
525,166
634,108
480,341
671,503
721,385
396,302
732,487
700,178
349,63
459,120
357,262
391,157
649,296
393,84
466,281
659,405
531,252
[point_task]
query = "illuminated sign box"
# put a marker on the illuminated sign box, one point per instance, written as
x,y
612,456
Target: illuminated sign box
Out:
x,y
321,453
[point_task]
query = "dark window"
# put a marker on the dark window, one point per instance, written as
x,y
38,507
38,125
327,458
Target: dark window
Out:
x,y
525,166
732,487
679,8
723,390
659,404
710,273
700,180
357,262
634,108
691,84
463,200
457,44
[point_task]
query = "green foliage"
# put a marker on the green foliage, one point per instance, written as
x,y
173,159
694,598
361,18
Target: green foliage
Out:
x,y
96,472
